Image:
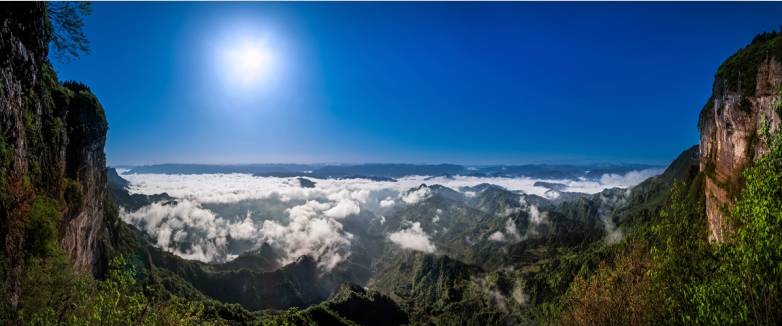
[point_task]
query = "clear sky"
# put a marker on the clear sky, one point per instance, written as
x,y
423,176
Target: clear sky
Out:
x,y
408,82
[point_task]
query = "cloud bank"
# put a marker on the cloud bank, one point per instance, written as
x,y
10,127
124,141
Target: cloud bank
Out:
x,y
413,238
204,223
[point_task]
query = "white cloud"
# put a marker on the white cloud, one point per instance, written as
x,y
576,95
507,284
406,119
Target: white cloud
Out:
x,y
230,188
309,233
312,226
608,204
630,179
415,196
497,236
245,229
343,209
512,229
413,238
388,202
536,218
508,211
185,221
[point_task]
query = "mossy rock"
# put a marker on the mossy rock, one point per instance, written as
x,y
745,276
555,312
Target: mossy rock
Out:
x,y
42,227
73,195
739,72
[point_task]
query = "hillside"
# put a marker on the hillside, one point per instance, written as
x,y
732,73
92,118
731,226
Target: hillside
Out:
x,y
698,244
53,196
737,121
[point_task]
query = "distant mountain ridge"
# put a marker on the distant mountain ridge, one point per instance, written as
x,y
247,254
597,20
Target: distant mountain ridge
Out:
x,y
389,171
176,168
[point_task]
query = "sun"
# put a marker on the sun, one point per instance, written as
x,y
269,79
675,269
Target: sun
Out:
x,y
248,63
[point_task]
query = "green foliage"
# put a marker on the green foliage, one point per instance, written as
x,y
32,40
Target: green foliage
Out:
x,y
739,72
52,294
681,254
645,278
5,165
76,86
32,128
86,117
117,300
41,230
691,281
51,291
764,130
73,195
66,21
746,287
618,293
440,290
777,103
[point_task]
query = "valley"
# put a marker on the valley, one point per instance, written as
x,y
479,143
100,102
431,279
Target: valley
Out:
x,y
84,242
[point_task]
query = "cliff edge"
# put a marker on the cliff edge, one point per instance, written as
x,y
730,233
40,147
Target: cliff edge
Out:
x,y
52,163
735,124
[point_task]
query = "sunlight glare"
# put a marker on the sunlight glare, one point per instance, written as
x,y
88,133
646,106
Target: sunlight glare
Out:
x,y
248,63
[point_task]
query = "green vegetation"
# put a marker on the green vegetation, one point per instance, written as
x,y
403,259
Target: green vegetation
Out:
x,y
6,159
667,271
73,195
739,72
664,271
777,104
745,285
54,295
41,232
66,22
350,305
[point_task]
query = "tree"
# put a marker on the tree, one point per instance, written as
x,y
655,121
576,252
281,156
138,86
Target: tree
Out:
x,y
66,20
747,285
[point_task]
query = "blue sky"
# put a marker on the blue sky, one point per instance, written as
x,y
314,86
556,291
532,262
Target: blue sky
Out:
x,y
476,83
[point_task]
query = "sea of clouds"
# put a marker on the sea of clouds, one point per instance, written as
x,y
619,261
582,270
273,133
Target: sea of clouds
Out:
x,y
215,217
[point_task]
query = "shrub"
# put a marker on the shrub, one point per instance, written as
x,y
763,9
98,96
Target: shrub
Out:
x,y
746,287
617,294
52,294
73,195
41,229
66,21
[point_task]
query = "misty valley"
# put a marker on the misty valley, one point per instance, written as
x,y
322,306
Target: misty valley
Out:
x,y
602,179
305,231
218,216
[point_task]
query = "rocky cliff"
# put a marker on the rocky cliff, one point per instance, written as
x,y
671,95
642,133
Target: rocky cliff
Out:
x,y
52,163
735,124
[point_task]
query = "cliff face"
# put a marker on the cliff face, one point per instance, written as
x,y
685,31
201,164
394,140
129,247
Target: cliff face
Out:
x,y
736,121
51,147
85,161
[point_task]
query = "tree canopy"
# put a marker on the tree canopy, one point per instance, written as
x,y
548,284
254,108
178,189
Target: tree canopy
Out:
x,y
66,20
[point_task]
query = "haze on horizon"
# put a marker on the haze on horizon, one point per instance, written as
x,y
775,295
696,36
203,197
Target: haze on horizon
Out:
x,y
467,83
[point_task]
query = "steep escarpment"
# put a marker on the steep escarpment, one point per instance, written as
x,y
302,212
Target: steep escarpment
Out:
x,y
735,124
53,192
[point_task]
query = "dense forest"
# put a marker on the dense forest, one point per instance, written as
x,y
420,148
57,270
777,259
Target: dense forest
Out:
x,y
67,257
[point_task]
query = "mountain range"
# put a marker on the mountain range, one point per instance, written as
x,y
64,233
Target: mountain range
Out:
x,y
379,170
282,244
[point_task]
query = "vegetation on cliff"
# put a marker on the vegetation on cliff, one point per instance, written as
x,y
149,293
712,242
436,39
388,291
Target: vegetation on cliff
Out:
x,y
51,163
668,272
661,270
738,74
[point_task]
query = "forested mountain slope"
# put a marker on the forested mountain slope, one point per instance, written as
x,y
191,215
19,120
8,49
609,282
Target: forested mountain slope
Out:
x,y
621,256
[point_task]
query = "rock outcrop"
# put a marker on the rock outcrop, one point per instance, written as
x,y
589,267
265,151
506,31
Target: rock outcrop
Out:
x,y
51,148
736,122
